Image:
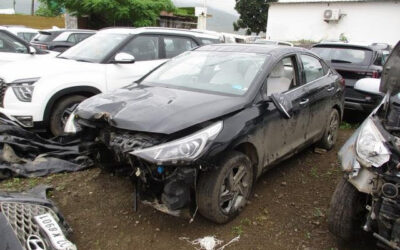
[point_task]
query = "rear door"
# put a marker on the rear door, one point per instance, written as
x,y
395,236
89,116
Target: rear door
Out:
x,y
320,88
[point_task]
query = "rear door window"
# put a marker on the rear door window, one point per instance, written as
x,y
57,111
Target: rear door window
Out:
x,y
312,68
72,38
344,55
143,48
82,36
177,45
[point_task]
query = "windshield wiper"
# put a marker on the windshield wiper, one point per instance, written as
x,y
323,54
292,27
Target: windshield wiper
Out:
x,y
340,61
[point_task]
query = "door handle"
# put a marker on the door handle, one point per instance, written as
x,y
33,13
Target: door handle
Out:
x,y
304,101
330,89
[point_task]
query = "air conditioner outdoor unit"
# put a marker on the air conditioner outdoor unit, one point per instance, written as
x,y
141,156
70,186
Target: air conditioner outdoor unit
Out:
x,y
332,15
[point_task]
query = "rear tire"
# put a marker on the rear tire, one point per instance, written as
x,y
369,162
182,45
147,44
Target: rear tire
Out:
x,y
61,111
223,191
347,211
331,131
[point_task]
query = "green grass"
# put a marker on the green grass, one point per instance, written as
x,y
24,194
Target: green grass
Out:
x,y
346,125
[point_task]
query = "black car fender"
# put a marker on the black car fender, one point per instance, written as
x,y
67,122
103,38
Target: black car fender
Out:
x,y
241,133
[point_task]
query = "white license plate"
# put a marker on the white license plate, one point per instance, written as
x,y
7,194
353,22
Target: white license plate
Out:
x,y
54,232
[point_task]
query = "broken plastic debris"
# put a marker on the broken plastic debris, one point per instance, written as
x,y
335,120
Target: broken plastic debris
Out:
x,y
209,242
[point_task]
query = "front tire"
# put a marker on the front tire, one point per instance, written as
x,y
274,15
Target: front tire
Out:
x,y
347,211
61,111
223,191
331,131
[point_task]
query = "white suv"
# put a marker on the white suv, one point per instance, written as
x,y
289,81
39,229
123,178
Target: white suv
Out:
x,y
41,94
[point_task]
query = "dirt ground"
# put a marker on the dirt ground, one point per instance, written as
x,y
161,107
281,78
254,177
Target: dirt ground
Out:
x,y
288,210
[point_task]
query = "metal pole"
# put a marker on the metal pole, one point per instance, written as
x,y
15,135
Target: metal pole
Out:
x,y
33,8
14,3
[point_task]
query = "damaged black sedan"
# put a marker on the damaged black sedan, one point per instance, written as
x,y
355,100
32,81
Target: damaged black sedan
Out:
x,y
199,130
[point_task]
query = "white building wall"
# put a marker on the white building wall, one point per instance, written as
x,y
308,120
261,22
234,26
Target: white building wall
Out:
x,y
363,21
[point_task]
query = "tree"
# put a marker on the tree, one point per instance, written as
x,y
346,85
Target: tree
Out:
x,y
253,15
135,13
49,8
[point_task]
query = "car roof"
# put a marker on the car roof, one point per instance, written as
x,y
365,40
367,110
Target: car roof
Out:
x,y
22,29
345,45
253,48
135,31
68,30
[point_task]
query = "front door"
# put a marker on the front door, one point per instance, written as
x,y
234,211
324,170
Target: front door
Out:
x,y
146,50
283,136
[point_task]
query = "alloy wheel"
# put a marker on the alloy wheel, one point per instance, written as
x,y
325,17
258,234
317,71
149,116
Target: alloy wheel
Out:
x,y
235,189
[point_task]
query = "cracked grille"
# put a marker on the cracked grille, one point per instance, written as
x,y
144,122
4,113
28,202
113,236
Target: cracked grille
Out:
x,y
3,88
20,216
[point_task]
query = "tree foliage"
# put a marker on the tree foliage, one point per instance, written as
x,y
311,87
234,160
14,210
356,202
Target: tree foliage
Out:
x,y
253,15
49,9
137,13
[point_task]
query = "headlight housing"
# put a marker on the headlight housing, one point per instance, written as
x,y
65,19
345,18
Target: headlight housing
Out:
x,y
186,149
71,127
370,146
23,89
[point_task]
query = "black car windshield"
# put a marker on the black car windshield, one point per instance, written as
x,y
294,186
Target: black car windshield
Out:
x,y
95,48
344,55
211,71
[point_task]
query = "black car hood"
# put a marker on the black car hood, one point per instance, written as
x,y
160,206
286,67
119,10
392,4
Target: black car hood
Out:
x,y
157,109
390,81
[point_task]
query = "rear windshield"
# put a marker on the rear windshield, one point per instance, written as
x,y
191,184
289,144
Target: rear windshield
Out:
x,y
46,37
344,55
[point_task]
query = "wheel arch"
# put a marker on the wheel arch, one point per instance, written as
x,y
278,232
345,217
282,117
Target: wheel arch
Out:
x,y
250,150
87,91
337,107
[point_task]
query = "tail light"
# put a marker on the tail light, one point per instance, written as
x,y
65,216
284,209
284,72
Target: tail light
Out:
x,y
375,74
342,82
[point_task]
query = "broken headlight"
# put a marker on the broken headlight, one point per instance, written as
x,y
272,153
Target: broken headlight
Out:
x,y
71,127
23,89
186,149
370,145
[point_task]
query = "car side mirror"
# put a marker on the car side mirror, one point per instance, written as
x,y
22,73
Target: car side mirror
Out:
x,y
32,50
283,104
124,58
